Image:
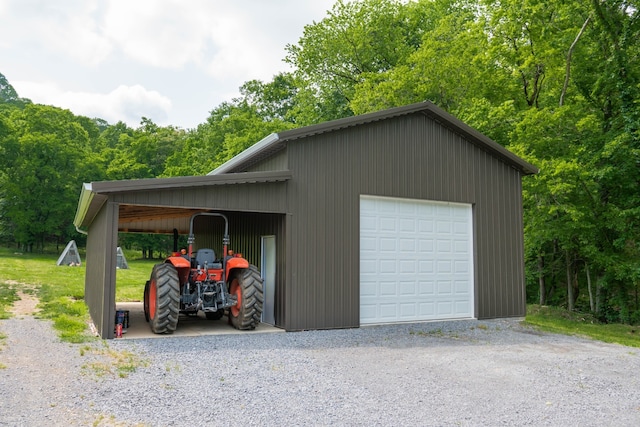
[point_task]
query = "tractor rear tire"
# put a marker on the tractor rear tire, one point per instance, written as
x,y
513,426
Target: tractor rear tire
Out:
x,y
246,285
164,299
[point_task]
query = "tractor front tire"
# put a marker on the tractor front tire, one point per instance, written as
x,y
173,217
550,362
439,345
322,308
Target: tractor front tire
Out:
x,y
164,299
246,286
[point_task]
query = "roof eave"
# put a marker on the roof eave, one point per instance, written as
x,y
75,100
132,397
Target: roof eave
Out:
x,y
250,152
88,205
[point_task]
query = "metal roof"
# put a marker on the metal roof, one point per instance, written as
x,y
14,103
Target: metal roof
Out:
x,y
276,141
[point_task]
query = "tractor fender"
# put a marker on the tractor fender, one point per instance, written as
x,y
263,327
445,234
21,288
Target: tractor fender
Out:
x,y
182,265
235,262
178,262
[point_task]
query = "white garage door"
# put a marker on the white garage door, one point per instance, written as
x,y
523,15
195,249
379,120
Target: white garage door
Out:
x,y
416,260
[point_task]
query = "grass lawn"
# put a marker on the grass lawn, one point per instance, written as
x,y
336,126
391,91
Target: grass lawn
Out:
x,y
60,289
560,321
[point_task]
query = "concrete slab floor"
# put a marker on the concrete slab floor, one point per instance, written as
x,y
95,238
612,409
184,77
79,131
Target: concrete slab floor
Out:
x,y
187,325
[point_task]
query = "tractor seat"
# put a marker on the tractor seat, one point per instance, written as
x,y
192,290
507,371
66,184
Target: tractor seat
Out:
x,y
207,256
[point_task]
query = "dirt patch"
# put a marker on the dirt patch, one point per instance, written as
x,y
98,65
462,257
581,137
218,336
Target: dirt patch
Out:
x,y
27,305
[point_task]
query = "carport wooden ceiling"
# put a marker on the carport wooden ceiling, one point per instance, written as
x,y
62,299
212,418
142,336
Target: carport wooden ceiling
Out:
x,y
154,219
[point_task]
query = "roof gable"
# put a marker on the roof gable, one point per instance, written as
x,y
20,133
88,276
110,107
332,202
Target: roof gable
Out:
x,y
275,141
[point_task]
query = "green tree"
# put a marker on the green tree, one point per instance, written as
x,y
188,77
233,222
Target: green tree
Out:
x,y
141,153
9,96
45,159
450,67
354,40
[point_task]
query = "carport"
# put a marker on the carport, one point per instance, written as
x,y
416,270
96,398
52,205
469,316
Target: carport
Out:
x,y
254,203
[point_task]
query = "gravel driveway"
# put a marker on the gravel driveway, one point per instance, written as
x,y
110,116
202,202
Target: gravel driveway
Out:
x,y
463,373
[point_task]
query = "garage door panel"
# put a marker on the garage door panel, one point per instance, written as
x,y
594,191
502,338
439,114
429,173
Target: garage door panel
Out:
x,y
408,245
408,310
444,227
444,288
461,267
444,309
407,289
388,289
462,307
427,289
407,225
407,266
460,228
444,246
388,225
369,266
425,226
367,290
427,310
369,311
416,260
388,267
368,222
369,244
388,311
426,267
425,246
461,247
461,287
388,244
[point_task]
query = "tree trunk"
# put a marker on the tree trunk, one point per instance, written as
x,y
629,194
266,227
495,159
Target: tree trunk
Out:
x,y
576,284
570,300
592,303
568,68
541,282
599,295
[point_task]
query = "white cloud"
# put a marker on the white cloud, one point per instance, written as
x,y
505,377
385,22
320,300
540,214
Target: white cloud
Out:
x,y
165,34
125,103
68,28
238,40
252,45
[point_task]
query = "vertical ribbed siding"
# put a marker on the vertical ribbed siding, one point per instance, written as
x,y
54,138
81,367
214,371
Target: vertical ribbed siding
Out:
x,y
499,235
277,162
100,277
252,197
409,157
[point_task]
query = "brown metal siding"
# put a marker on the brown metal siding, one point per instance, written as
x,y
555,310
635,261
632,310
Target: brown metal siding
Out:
x,y
277,162
100,278
499,239
411,157
258,197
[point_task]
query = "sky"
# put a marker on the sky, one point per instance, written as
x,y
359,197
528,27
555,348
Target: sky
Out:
x,y
171,61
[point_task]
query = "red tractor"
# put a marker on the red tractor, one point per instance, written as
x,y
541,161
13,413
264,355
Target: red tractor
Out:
x,y
187,284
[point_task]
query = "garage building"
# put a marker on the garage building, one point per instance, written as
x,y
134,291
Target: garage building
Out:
x,y
401,215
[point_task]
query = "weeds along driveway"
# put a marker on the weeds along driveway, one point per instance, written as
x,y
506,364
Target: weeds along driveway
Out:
x,y
482,373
